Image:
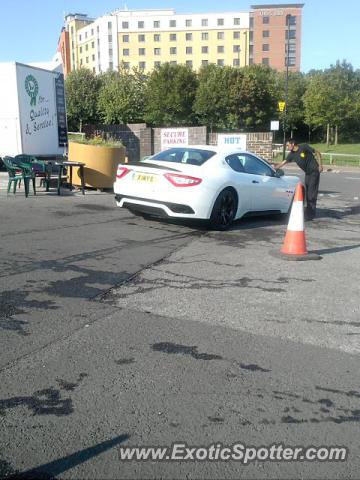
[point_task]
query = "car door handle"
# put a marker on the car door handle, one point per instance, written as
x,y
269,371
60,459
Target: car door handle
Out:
x,y
255,181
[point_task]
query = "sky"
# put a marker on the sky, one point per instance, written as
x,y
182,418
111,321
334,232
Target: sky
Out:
x,y
29,29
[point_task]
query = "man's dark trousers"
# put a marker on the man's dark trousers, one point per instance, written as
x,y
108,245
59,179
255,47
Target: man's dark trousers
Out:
x,y
312,181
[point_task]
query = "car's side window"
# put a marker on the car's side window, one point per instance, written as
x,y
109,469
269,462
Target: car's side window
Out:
x,y
235,163
255,166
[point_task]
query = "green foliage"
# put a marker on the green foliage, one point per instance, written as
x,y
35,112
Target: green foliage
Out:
x,y
297,84
97,141
333,97
121,96
82,87
257,101
215,102
169,96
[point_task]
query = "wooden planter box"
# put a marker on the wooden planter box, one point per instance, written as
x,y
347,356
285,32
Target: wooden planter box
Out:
x,y
100,163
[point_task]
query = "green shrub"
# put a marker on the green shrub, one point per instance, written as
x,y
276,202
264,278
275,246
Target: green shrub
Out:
x,y
96,140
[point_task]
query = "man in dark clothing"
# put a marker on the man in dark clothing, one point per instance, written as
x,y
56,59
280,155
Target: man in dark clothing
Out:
x,y
309,160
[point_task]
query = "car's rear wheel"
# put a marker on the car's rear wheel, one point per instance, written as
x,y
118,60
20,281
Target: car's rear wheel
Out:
x,y
224,210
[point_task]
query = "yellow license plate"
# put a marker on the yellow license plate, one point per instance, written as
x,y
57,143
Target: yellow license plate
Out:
x,y
145,177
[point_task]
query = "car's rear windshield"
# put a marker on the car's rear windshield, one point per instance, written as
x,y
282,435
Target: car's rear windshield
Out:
x,y
189,156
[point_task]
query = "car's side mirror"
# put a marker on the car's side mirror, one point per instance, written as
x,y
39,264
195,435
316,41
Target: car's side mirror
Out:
x,y
279,173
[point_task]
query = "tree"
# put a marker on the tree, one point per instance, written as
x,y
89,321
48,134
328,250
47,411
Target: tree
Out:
x,y
256,98
169,96
82,88
332,99
215,103
297,84
121,96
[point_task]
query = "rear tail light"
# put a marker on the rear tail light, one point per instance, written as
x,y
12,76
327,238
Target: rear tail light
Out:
x,y
182,180
122,171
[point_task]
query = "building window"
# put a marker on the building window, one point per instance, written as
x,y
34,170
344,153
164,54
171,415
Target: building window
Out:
x,y
173,62
172,23
236,21
125,38
156,23
220,62
188,36
266,20
142,65
204,49
80,37
204,22
292,48
204,62
265,47
292,61
110,52
204,36
72,30
126,52
92,44
157,64
251,22
266,33
80,49
156,37
110,38
291,20
141,38
111,65
220,35
141,24
172,37
141,51
188,23
93,58
92,32
220,49
236,35
220,22
157,51
236,62
86,47
265,61
94,70
126,65
291,35
189,63
109,25
81,62
85,34
173,51
236,48
125,25
251,36
87,59
189,50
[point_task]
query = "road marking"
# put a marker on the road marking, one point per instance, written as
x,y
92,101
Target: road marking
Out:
x,y
353,178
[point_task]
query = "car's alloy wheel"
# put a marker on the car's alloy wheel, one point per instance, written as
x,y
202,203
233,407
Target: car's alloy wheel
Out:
x,y
224,210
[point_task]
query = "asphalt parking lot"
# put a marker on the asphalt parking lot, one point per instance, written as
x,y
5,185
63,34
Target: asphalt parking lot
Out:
x,y
120,331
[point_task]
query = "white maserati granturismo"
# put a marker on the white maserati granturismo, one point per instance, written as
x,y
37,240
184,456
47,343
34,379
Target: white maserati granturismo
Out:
x,y
204,182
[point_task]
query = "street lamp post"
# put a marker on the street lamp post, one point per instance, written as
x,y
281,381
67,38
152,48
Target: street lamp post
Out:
x,y
288,21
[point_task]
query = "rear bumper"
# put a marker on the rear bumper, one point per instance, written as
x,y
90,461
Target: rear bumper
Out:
x,y
155,207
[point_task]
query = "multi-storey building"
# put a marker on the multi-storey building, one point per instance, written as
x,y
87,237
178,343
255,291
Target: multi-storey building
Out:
x,y
275,35
146,39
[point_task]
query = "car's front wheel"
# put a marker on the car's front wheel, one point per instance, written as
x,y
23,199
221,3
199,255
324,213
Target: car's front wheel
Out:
x,y
224,210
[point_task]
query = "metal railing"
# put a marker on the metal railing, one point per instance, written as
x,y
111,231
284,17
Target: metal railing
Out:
x,y
346,155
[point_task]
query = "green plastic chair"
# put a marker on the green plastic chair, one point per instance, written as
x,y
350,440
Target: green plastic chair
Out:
x,y
18,171
39,167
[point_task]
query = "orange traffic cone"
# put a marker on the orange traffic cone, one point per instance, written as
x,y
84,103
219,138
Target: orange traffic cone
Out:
x,y
295,242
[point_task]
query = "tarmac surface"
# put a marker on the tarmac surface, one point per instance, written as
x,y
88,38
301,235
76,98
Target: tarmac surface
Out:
x,y
118,331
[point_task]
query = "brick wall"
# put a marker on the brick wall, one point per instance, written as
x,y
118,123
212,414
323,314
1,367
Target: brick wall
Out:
x,y
140,140
259,143
196,136
136,137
